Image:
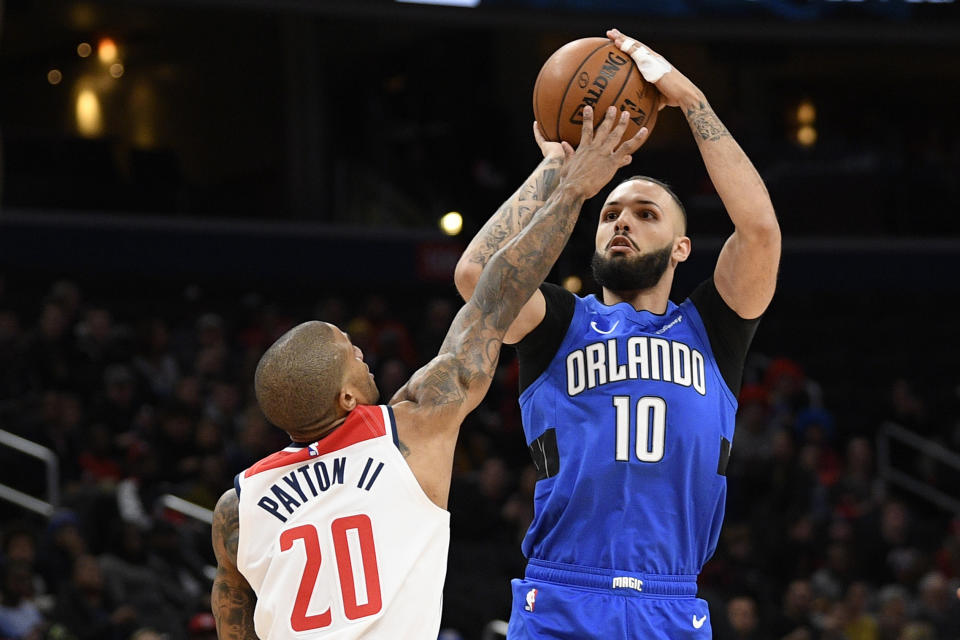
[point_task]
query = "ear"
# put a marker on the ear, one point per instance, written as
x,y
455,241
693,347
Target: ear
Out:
x,y
347,398
681,249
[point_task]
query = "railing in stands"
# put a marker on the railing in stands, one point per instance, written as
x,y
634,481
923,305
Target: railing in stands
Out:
x,y
890,432
49,459
187,508
191,510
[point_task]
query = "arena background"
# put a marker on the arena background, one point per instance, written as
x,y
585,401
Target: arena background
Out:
x,y
203,174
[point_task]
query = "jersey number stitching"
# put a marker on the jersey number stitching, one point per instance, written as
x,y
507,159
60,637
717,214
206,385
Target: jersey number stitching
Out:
x,y
651,428
340,529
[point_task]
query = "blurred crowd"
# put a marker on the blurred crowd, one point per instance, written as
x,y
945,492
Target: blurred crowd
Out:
x,y
141,398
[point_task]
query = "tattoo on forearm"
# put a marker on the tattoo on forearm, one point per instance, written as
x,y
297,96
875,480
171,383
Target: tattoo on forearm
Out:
x,y
542,185
517,212
506,284
705,123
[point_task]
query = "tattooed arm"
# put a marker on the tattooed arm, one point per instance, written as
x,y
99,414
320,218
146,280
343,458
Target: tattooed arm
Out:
x,y
512,216
431,406
232,599
746,271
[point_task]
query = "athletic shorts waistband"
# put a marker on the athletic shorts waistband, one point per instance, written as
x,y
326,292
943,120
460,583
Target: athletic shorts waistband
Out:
x,y
624,582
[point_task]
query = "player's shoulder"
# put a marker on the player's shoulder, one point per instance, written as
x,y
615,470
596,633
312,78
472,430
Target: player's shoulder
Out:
x,y
229,501
226,515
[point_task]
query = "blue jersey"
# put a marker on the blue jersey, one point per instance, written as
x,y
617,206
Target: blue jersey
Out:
x,y
630,425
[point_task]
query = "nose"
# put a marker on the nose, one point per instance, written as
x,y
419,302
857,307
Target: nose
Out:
x,y
621,226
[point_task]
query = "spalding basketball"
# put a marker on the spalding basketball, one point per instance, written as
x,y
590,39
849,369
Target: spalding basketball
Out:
x,y
591,71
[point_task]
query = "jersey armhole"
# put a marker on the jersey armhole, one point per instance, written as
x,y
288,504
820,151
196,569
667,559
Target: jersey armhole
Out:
x,y
537,349
729,334
390,422
236,483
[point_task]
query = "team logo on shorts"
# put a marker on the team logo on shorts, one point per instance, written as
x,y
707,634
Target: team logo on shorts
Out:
x,y
531,600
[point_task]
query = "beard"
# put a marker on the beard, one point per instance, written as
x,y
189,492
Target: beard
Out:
x,y
631,273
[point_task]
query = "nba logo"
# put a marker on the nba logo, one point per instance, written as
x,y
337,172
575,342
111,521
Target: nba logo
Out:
x,y
313,449
531,600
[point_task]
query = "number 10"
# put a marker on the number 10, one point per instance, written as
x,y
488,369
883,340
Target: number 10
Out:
x,y
651,428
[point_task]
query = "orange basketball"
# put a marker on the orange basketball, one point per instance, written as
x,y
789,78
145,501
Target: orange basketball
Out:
x,y
591,71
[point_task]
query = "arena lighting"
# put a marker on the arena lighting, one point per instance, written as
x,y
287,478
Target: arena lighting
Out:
x,y
806,112
451,223
54,76
807,136
446,3
116,70
84,49
573,284
107,50
89,115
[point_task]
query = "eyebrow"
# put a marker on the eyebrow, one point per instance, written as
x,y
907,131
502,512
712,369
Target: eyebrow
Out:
x,y
635,201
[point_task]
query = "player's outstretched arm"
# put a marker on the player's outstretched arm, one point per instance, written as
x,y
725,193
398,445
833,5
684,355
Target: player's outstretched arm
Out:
x,y
746,271
232,598
431,406
512,216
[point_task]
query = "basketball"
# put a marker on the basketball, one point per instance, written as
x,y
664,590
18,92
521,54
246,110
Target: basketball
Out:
x,y
591,71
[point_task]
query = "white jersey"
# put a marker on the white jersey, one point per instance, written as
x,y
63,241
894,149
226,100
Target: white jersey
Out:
x,y
338,540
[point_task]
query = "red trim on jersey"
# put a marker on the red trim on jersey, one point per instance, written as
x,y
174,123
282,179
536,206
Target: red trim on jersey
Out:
x,y
364,423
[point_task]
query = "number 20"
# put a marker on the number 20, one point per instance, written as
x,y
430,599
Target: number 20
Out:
x,y
299,620
651,428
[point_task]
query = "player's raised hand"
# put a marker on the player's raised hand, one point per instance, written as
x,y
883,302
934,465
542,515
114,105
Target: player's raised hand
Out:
x,y
673,85
548,148
600,153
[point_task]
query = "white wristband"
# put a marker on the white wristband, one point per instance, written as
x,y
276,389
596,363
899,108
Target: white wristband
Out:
x,y
652,65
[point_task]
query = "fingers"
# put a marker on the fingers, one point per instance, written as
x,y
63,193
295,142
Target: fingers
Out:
x,y
616,36
635,142
538,134
567,149
617,134
603,131
586,131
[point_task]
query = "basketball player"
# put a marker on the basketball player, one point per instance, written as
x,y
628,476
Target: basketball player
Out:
x,y
344,533
628,399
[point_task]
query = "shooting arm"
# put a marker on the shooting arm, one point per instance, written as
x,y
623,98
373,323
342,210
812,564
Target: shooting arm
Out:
x,y
746,271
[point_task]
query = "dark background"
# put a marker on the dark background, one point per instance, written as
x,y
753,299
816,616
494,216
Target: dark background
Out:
x,y
275,161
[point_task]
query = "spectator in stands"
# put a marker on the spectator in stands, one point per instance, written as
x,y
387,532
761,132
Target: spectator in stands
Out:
x,y
742,620
130,579
86,610
795,613
859,623
893,614
60,546
19,614
939,605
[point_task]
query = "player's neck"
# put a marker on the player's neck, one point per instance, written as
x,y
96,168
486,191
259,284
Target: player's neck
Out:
x,y
317,432
653,299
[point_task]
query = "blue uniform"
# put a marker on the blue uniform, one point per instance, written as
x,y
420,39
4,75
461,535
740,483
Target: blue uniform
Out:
x,y
630,426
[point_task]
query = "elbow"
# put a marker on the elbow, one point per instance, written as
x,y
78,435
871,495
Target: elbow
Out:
x,y
764,231
465,276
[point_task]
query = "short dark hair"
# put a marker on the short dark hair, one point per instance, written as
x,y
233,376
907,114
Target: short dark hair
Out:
x,y
298,378
666,187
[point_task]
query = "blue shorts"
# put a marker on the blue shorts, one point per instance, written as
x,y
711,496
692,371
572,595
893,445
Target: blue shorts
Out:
x,y
566,602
